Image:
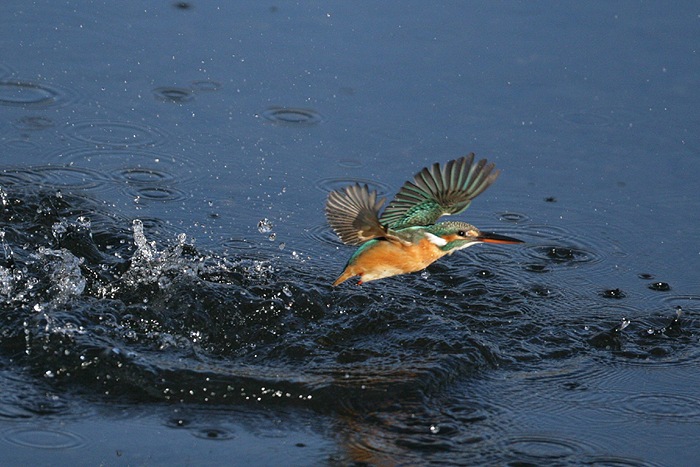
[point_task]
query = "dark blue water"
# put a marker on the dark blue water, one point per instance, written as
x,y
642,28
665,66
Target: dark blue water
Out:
x,y
165,267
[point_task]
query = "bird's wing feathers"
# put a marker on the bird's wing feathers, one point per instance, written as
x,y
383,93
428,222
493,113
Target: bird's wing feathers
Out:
x,y
353,213
439,191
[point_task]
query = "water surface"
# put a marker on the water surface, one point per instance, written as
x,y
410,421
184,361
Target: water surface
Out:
x,y
165,267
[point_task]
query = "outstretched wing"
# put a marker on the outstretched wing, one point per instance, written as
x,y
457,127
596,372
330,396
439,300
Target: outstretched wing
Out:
x,y
439,191
353,213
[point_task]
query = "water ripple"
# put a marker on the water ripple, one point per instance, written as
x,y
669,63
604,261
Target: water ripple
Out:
x,y
17,93
157,193
323,233
213,434
173,94
618,461
60,177
554,247
291,116
34,123
541,448
338,183
116,134
676,407
43,438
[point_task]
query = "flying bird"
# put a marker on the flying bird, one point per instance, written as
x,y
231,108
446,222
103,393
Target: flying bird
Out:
x,y
405,238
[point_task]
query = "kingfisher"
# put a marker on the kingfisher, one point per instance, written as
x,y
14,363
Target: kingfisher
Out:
x,y
405,237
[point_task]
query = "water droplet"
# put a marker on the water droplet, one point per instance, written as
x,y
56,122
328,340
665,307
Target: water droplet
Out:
x,y
660,286
425,274
561,253
272,237
59,228
265,225
83,222
613,293
434,429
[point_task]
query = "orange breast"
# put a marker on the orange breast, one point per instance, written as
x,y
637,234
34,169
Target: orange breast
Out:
x,y
385,259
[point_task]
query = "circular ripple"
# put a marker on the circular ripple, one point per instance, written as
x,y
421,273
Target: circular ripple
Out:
x,y
544,447
144,176
64,177
513,217
292,116
158,193
333,184
27,94
132,166
213,434
685,302
323,233
559,254
350,163
671,406
574,252
43,439
613,461
238,244
21,145
175,95
115,134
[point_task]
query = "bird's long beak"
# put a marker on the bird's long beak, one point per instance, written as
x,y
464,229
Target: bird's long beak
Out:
x,y
487,237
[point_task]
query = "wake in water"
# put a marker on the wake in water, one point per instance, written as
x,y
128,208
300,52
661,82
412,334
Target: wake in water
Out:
x,y
87,302
90,300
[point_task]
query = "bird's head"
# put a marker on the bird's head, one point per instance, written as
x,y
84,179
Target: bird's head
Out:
x,y
453,236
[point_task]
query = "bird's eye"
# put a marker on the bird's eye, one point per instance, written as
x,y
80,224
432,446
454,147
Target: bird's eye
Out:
x,y
461,233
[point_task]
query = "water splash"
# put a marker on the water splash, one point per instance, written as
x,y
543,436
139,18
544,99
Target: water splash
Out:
x,y
265,226
152,266
66,277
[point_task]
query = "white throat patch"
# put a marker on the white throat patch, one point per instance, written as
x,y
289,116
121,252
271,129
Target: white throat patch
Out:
x,y
435,240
